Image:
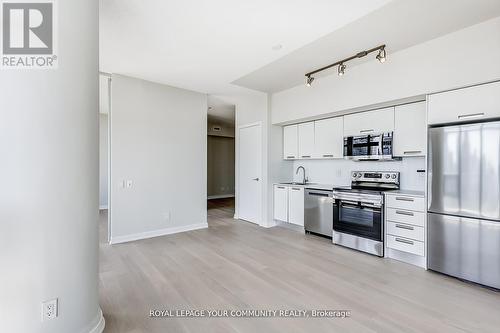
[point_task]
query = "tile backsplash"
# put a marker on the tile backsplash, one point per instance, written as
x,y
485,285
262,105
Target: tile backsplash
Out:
x,y
338,172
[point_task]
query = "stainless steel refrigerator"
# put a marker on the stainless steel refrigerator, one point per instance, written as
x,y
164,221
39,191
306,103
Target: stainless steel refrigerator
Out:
x,y
464,202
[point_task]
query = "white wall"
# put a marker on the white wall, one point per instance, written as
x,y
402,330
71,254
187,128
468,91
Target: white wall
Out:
x,y
103,161
338,172
461,58
220,159
159,142
50,170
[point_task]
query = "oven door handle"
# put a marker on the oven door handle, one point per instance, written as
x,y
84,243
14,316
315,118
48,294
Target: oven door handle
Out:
x,y
361,205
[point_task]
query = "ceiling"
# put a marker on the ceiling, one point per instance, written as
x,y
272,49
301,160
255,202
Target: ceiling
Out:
x,y
226,46
399,25
220,111
204,45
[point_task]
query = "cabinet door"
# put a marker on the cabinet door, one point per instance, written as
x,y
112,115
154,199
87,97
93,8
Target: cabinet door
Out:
x,y
473,103
296,205
410,130
290,142
370,122
329,138
281,203
306,140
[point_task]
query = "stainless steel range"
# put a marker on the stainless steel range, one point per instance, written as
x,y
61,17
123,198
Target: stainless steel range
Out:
x,y
358,220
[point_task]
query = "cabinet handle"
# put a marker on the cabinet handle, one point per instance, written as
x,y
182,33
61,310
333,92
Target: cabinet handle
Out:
x,y
329,155
472,115
404,199
290,157
402,226
405,241
366,131
281,187
306,156
295,189
400,212
413,152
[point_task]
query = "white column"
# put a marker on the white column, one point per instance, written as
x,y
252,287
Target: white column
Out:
x,y
49,183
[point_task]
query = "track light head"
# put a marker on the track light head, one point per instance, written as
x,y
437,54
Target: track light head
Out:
x,y
381,56
341,69
309,80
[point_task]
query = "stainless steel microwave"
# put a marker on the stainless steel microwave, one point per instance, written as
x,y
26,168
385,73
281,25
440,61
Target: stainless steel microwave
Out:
x,y
372,147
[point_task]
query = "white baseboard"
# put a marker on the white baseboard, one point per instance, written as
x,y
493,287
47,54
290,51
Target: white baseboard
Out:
x,y
220,196
103,207
157,233
99,327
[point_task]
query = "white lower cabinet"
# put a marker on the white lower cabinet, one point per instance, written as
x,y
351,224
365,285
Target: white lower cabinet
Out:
x,y
296,205
281,203
289,204
405,227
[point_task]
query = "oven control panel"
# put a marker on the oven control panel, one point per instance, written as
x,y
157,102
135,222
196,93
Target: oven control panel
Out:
x,y
375,176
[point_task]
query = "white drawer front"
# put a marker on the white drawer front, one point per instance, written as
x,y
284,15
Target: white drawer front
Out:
x,y
405,230
406,216
406,202
405,245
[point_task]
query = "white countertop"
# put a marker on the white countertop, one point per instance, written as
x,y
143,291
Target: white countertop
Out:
x,y
310,185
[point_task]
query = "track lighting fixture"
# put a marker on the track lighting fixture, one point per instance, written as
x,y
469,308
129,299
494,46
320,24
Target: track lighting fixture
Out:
x,y
381,57
341,69
309,80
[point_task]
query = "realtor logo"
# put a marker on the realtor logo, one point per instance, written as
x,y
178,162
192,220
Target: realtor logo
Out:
x,y
28,34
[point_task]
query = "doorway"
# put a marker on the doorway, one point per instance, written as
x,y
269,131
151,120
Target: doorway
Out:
x,y
220,156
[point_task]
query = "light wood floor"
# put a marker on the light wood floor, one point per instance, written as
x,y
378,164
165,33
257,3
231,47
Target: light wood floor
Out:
x,y
238,265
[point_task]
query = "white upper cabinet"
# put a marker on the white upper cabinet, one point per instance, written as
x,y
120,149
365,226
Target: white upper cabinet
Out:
x,y
410,130
290,142
472,103
329,138
370,122
306,140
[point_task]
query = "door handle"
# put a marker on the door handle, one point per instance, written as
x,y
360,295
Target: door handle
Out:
x,y
472,115
404,199
407,227
256,179
400,212
405,241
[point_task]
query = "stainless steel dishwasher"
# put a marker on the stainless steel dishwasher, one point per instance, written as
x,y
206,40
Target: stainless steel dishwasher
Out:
x,y
318,212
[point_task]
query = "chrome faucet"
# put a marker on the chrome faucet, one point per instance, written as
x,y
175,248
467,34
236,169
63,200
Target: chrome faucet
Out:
x,y
304,179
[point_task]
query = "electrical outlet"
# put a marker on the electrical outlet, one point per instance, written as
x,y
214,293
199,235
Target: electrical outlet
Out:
x,y
49,309
129,183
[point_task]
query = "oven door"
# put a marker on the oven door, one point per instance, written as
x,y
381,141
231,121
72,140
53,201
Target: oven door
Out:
x,y
359,219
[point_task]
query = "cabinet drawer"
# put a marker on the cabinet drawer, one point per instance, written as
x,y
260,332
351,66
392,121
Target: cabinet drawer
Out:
x,y
406,216
406,202
405,230
405,245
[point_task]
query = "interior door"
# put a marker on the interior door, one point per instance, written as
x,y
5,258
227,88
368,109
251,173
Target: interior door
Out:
x,y
250,178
